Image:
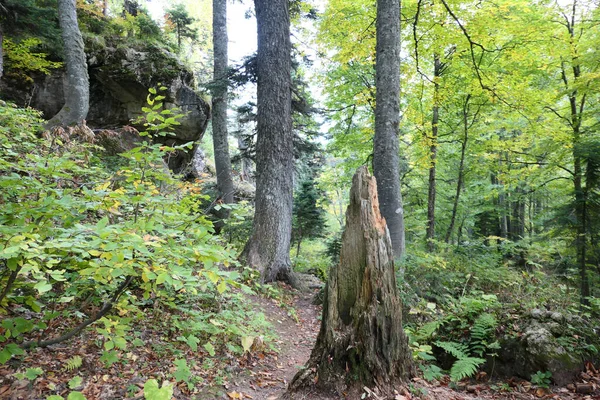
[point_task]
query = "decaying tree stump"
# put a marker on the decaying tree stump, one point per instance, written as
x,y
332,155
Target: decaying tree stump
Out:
x,y
361,341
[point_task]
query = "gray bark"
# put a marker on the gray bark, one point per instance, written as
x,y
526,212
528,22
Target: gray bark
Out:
x,y
361,341
1,52
433,147
269,246
461,169
386,157
219,107
77,87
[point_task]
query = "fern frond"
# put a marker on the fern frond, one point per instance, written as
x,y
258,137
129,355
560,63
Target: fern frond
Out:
x,y
458,350
465,367
481,332
73,363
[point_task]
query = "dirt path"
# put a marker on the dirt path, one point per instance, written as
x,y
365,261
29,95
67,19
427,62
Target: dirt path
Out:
x,y
267,378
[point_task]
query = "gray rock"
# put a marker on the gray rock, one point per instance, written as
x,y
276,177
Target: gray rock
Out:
x,y
119,82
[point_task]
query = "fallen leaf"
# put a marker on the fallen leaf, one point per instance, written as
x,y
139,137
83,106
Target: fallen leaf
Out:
x,y
235,395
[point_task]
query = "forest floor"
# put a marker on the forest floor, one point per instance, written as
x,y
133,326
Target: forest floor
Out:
x,y
266,378
261,375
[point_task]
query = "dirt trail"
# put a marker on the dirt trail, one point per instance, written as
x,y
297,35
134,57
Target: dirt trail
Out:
x,y
267,378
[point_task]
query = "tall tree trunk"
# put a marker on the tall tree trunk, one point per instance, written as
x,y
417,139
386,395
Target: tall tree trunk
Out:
x,y
1,51
77,86
577,106
433,146
105,8
268,249
461,169
219,106
386,157
361,341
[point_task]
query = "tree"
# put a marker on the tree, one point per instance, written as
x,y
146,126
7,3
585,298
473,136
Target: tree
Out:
x,y
181,20
361,341
219,105
77,87
309,218
269,245
386,152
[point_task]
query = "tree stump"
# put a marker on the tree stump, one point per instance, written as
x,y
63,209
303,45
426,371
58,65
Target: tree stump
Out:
x,y
361,341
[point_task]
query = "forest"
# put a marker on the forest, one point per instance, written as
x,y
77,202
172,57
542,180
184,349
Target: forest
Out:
x,y
356,199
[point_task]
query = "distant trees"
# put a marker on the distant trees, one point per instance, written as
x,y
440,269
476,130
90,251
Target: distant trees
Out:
x,y
269,245
181,22
77,87
309,218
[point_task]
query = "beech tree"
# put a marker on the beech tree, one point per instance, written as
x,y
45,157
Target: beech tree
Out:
x,y
219,104
386,157
268,248
77,86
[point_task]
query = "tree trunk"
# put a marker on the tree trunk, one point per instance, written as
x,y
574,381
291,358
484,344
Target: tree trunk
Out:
x,y
219,107
361,341
77,87
461,170
433,145
268,249
386,157
1,52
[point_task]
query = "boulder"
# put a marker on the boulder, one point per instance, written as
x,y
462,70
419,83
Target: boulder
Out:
x,y
119,81
538,347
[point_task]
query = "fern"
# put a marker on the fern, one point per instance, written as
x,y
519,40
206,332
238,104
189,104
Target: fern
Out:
x,y
465,367
481,332
458,350
73,363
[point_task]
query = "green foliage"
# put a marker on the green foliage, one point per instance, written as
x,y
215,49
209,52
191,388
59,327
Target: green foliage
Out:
x,y
153,392
308,217
71,230
542,379
180,21
465,365
22,58
75,382
73,363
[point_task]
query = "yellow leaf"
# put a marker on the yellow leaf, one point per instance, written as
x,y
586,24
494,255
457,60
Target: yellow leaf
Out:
x,y
235,395
247,342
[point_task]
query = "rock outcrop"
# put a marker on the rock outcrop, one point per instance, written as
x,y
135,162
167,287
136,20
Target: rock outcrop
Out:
x,y
119,82
543,345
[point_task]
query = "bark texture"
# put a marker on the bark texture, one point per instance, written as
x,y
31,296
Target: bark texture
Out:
x,y
386,157
433,147
219,106
77,86
361,341
1,51
269,246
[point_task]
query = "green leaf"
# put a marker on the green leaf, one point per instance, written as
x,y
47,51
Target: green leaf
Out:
x,y
182,373
210,349
102,224
152,391
76,396
55,397
75,382
43,287
33,373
